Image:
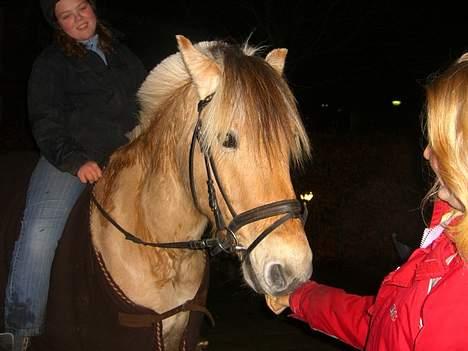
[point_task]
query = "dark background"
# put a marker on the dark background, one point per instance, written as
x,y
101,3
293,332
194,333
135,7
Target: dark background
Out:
x,y
347,61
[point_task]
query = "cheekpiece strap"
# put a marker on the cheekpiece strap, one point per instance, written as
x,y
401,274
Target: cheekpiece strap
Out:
x,y
202,103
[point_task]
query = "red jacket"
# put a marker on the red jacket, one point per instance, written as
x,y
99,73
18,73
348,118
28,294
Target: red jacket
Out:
x,y
421,306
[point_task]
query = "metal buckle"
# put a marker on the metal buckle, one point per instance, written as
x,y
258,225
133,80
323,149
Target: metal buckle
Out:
x,y
226,243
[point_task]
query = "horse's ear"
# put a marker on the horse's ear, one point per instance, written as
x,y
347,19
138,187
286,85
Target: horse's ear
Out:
x,y
204,71
276,58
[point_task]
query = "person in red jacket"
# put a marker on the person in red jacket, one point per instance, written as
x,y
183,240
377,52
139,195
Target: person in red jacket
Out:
x,y
422,305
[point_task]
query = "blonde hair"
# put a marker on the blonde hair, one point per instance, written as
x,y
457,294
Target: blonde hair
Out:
x,y
447,128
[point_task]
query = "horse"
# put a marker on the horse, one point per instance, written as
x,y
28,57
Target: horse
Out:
x,y
207,169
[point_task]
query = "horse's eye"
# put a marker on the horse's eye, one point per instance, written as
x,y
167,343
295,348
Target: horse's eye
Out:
x,y
230,141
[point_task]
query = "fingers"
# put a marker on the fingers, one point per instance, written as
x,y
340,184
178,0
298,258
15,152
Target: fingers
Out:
x,y
95,172
277,304
90,172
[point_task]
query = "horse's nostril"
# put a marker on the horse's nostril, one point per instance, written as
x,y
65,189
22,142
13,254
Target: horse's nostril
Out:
x,y
275,277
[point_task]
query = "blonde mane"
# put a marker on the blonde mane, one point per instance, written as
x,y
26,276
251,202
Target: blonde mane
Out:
x,y
251,92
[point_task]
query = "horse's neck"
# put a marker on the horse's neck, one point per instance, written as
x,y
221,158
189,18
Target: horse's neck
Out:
x,y
168,211
158,210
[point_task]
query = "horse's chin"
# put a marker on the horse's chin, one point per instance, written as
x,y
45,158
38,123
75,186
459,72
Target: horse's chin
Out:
x,y
262,285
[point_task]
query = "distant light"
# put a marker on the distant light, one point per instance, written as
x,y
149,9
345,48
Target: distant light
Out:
x,y
324,105
307,196
396,102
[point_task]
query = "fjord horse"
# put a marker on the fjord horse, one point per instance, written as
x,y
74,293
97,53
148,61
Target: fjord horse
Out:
x,y
219,130
250,128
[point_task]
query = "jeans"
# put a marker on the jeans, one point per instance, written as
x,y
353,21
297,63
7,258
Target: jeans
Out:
x,y
50,199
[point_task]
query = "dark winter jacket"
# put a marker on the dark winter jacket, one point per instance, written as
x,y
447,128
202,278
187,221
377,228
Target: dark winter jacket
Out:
x,y
79,108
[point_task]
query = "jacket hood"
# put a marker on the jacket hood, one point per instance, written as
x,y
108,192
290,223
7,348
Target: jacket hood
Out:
x,y
48,8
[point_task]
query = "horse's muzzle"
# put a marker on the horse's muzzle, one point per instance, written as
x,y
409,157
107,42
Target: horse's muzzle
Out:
x,y
280,281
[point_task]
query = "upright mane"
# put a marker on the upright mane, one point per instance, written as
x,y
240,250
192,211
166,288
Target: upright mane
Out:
x,y
250,92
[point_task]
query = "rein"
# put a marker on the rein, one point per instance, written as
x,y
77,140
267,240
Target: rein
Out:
x,y
190,244
225,238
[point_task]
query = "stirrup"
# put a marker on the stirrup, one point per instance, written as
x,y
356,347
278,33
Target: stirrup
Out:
x,y
25,342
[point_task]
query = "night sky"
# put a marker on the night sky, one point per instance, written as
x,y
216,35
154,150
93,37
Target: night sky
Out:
x,y
351,56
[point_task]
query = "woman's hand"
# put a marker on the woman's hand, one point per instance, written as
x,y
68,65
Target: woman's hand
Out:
x,y
89,172
277,303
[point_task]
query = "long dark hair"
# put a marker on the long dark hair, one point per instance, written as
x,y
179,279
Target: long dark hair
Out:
x,y
71,47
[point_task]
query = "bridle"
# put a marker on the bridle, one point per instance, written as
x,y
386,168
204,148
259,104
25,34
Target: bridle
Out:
x,y
225,236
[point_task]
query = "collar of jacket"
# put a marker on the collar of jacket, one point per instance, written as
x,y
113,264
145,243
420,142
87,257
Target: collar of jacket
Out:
x,y
424,264
92,63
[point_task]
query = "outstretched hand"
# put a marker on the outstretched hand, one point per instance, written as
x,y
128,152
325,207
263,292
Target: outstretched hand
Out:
x,y
277,303
90,172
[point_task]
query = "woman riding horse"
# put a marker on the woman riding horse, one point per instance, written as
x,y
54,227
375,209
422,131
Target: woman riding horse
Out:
x,y
81,101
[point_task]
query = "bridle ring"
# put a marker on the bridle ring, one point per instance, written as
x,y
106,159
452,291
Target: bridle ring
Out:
x,y
229,243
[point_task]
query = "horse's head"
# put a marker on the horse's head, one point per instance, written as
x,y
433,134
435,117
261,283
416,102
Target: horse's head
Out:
x,y
252,133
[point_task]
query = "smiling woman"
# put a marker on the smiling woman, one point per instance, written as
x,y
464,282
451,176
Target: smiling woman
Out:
x,y
76,18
